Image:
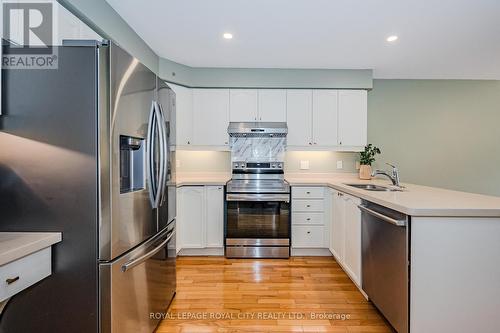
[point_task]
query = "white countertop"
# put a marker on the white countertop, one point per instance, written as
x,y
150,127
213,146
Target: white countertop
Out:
x,y
209,178
15,245
415,200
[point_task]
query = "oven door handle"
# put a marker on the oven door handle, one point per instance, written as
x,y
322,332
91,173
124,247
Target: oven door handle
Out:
x,y
257,197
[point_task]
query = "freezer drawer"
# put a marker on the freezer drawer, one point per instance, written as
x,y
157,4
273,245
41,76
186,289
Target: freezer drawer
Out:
x,y
138,284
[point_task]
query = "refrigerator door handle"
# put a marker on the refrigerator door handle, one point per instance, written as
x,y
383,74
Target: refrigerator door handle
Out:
x,y
132,263
150,151
163,154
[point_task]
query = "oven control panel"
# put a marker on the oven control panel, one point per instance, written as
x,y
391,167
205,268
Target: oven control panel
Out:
x,y
258,165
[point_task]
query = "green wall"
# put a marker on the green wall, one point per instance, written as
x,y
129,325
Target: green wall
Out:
x,y
442,133
264,77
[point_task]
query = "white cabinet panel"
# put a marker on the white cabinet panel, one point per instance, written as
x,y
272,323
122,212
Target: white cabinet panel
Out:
x,y
352,117
200,217
210,117
272,105
352,255
307,236
190,216
24,272
307,192
243,105
325,117
307,205
183,116
214,216
338,226
308,218
299,117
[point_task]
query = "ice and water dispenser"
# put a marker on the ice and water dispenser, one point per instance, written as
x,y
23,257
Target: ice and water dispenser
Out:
x,y
132,164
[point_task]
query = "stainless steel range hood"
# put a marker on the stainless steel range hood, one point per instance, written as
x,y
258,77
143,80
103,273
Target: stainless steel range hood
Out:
x,y
257,129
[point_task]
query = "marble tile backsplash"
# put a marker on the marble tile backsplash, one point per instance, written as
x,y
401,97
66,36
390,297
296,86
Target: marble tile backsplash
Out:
x,y
257,149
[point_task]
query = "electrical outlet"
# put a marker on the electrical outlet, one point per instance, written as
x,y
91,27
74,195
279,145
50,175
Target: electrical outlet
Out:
x,y
304,165
357,165
178,163
340,164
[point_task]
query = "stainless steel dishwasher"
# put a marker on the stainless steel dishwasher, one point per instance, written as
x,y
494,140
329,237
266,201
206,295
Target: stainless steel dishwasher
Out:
x,y
385,262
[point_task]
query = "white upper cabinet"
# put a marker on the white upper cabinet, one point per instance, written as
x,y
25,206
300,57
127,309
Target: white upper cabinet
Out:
x,y
210,117
243,105
183,116
352,118
258,105
272,105
299,117
325,117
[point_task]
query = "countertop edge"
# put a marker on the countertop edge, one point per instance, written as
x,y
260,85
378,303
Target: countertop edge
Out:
x,y
28,248
420,212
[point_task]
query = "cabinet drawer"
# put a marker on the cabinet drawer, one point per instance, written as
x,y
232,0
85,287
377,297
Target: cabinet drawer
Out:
x,y
308,192
308,218
307,205
24,272
307,236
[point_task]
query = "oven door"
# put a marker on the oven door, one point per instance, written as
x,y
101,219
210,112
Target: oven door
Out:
x,y
257,219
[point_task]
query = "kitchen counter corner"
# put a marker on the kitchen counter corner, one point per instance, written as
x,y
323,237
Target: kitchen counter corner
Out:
x,y
15,245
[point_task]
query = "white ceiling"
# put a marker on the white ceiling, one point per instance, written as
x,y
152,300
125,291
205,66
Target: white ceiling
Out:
x,y
437,38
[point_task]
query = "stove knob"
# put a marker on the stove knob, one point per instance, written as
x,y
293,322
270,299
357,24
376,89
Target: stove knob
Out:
x,y
280,165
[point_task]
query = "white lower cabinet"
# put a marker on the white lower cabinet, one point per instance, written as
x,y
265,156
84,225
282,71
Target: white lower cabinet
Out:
x,y
215,216
338,226
190,216
200,217
352,254
307,236
310,220
345,236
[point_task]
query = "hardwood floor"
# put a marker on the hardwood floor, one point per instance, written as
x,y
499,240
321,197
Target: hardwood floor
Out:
x,y
300,294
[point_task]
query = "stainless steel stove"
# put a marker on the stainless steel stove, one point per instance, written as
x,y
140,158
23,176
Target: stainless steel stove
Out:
x,y
258,207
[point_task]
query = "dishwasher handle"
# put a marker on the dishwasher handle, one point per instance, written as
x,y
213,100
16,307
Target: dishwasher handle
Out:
x,y
398,223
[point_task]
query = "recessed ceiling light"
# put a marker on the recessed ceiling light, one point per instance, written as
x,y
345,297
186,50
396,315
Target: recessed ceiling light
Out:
x,y
227,35
392,38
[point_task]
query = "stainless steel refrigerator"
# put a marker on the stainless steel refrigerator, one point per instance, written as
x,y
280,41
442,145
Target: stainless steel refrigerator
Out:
x,y
84,150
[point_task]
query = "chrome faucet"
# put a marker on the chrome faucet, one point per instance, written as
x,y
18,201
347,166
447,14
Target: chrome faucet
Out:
x,y
394,176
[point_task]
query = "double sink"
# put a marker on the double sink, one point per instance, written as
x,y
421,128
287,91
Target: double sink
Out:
x,y
373,187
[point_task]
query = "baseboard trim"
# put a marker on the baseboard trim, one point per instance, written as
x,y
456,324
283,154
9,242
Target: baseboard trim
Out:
x,y
209,251
315,252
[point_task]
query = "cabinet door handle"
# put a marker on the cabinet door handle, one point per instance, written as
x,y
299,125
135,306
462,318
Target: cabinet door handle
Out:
x,y
308,219
308,205
308,232
12,280
189,143
308,192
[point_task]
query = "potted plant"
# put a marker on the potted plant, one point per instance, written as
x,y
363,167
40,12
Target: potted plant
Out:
x,y
366,159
